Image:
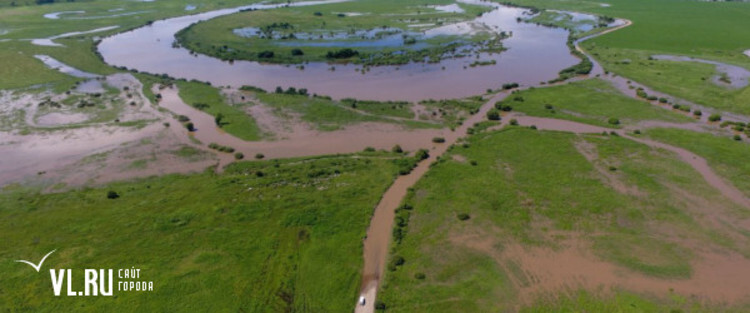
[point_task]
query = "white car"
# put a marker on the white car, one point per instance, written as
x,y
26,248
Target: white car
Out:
x,y
362,300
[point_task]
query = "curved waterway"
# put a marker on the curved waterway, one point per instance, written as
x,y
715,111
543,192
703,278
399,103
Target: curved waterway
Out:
x,y
535,53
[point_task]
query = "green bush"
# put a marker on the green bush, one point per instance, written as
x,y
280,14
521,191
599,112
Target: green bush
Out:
x,y
613,121
463,216
190,126
493,115
259,156
397,149
714,117
239,156
112,194
420,276
297,52
514,122
438,140
422,154
697,113
737,137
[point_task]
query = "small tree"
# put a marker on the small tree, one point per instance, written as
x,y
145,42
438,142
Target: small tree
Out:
x,y
190,126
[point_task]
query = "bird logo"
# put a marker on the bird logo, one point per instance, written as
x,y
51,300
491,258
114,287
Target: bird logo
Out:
x,y
35,266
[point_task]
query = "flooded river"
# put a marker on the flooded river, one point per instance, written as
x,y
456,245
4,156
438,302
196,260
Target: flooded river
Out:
x,y
535,53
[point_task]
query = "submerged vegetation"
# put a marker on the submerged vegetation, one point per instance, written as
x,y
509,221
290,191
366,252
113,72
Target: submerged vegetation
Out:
x,y
378,33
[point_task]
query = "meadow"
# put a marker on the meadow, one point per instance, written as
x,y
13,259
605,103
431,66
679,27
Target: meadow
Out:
x,y
591,101
261,237
539,190
716,31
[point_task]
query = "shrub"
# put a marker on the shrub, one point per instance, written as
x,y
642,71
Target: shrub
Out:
x,y
297,52
397,149
548,106
737,137
514,122
318,14
259,156
342,54
267,54
218,119
112,194
369,149
637,132
510,86
613,121
663,100
380,305
463,216
239,156
398,260
493,115
420,276
438,140
697,113
422,154
183,118
190,126
714,117
612,168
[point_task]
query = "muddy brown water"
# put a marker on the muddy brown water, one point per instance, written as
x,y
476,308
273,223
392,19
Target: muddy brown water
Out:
x,y
308,142
535,53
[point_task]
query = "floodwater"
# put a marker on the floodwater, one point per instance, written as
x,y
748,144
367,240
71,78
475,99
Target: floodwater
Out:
x,y
535,53
49,41
738,76
303,142
64,68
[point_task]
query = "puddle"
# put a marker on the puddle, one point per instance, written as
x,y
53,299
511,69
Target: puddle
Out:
x,y
90,86
49,41
730,75
450,8
56,15
190,7
63,68
59,119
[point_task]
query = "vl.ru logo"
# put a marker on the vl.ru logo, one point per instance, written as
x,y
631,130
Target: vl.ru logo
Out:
x,y
96,282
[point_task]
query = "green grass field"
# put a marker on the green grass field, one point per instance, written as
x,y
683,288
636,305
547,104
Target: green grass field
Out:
x,y
710,30
538,190
725,155
262,237
591,101
235,120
